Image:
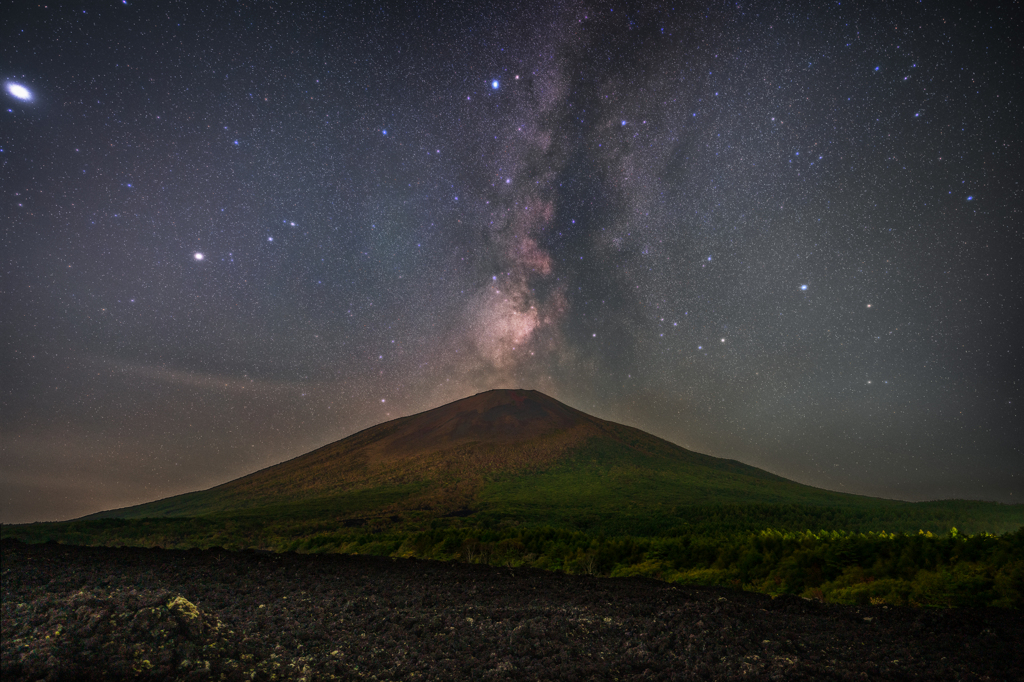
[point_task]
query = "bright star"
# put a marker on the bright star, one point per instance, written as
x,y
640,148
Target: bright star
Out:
x,y
19,91
803,287
385,132
494,84
197,255
970,198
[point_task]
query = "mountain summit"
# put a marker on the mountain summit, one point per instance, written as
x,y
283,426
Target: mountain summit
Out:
x,y
507,451
498,416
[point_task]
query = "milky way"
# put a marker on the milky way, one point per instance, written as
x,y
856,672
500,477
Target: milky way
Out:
x,y
785,233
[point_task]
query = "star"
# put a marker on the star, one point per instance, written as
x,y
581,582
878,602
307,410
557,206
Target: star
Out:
x,y
19,91
494,84
198,256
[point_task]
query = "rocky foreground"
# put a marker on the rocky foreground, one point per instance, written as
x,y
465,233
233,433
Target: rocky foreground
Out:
x,y
78,613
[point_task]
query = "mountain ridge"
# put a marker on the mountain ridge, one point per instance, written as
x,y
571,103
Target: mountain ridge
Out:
x,y
482,448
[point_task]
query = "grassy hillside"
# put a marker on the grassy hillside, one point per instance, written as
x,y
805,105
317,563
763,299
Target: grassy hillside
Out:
x,y
615,486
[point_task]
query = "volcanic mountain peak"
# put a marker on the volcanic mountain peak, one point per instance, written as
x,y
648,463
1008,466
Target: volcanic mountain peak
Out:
x,y
500,415
494,431
504,448
497,431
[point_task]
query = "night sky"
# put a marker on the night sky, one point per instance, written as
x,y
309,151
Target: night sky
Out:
x,y
784,233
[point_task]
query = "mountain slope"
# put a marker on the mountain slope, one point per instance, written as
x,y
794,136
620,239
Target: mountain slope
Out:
x,y
510,451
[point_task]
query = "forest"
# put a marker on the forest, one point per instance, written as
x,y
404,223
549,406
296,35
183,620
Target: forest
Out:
x,y
922,568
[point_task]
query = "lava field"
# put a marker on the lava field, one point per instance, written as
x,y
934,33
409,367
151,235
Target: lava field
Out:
x,y
84,613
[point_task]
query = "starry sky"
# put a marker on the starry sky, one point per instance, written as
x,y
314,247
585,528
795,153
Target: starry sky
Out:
x,y
787,233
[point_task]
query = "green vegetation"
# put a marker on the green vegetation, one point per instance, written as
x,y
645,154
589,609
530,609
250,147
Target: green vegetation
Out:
x,y
715,545
619,487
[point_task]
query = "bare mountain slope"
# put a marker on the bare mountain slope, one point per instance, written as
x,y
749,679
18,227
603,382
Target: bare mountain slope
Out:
x,y
501,447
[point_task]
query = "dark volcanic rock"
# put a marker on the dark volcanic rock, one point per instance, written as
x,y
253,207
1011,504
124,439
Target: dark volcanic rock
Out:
x,y
92,613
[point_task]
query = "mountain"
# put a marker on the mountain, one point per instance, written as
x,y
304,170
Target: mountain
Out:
x,y
515,452
515,478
